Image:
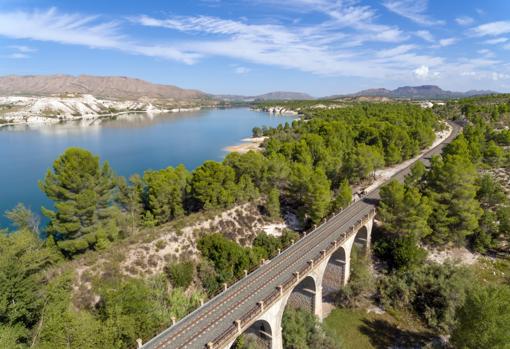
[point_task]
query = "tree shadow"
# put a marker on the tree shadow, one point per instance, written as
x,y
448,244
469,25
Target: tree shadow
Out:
x,y
384,335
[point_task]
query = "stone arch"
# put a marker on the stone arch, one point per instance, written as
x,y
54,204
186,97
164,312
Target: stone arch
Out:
x,y
362,239
259,335
303,295
334,276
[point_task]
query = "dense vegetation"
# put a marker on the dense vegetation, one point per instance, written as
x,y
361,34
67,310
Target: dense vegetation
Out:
x,y
456,202
308,169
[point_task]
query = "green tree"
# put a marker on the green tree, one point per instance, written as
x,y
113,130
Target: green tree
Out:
x,y
344,195
400,252
404,211
246,190
229,259
24,219
268,243
484,319
452,190
493,154
213,186
433,291
257,132
22,260
130,199
63,326
13,337
82,192
490,192
252,164
488,230
418,171
311,192
302,330
165,192
273,203
366,160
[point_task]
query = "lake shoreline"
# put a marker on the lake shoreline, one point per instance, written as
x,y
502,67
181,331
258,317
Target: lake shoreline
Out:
x,y
94,117
251,143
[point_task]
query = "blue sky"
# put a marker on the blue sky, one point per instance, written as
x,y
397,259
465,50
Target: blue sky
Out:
x,y
321,47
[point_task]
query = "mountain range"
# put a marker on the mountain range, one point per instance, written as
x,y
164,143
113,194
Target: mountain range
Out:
x,y
417,92
119,87
271,96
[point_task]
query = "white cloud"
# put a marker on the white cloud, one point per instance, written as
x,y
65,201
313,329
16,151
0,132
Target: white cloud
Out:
x,y
486,53
415,10
464,20
399,50
18,55
422,72
500,76
320,49
76,29
447,42
22,48
496,41
492,28
425,35
345,14
19,52
242,70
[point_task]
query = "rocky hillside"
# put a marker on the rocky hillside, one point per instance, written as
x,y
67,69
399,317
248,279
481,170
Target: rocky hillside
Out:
x,y
116,87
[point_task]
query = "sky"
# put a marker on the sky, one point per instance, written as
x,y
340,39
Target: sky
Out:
x,y
249,47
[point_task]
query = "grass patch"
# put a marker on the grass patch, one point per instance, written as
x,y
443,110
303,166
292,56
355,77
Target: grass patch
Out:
x,y
355,328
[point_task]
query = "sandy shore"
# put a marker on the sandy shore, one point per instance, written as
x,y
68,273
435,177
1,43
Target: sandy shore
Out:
x,y
247,145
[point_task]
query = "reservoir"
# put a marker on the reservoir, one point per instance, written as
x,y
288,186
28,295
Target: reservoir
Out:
x,y
130,143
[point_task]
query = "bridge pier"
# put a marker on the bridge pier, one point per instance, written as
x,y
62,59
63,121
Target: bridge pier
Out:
x,y
318,302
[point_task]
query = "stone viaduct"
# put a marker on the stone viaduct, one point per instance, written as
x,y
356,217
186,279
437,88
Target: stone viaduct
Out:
x,y
307,289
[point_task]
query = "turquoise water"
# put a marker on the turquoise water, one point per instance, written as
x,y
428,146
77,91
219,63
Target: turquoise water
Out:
x,y
131,143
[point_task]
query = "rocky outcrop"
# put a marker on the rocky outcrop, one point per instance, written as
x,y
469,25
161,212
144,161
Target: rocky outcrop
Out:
x,y
17,110
278,110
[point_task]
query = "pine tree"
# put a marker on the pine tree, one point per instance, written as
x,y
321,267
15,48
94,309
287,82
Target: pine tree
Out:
x,y
484,319
82,192
165,192
453,192
404,210
273,203
344,195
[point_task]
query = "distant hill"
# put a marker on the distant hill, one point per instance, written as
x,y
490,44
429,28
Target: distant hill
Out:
x,y
117,87
283,96
271,96
416,92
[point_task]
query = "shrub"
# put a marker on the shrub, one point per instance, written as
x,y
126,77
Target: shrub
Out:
x,y
181,274
433,292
